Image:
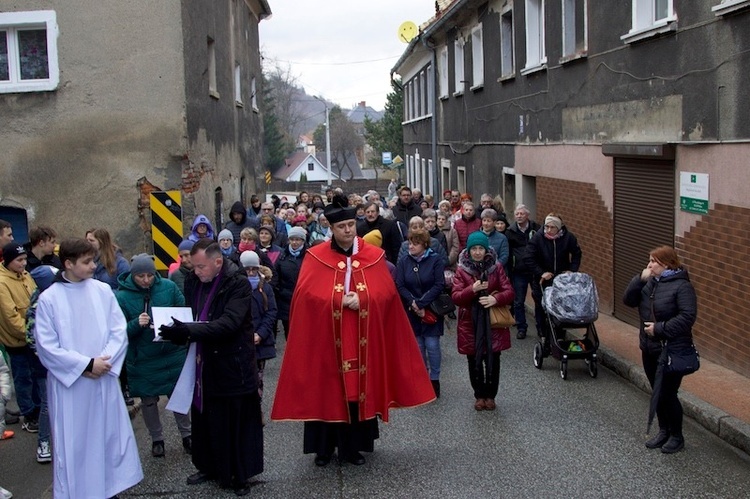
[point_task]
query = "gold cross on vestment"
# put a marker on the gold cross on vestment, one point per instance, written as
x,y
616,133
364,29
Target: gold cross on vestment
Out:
x,y
362,342
337,314
363,313
361,286
346,366
338,288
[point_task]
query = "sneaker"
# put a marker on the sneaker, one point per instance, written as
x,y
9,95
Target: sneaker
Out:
x,y
5,493
30,425
7,434
43,453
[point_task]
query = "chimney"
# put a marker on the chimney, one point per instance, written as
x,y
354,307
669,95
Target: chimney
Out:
x,y
362,104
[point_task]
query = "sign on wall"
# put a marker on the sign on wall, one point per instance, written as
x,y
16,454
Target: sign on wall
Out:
x,y
166,226
694,192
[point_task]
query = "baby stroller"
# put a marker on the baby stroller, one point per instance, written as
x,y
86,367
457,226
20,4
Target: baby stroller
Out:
x,y
571,304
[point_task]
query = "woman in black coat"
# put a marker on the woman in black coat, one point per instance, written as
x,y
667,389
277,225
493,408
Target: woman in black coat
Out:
x,y
667,307
286,272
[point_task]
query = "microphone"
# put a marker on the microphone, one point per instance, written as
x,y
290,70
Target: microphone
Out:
x,y
146,303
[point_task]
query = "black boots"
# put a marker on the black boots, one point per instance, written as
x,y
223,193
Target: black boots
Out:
x,y
436,387
658,440
157,448
675,443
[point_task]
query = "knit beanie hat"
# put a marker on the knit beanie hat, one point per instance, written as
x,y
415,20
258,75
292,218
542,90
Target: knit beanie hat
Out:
x,y
142,264
270,230
226,234
249,259
478,238
11,251
297,232
185,245
553,220
374,237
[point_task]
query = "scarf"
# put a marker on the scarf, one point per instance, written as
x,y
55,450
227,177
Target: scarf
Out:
x,y
227,252
295,253
247,246
254,280
480,316
556,236
668,273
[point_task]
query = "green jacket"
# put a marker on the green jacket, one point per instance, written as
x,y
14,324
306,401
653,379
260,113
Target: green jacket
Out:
x,y
153,367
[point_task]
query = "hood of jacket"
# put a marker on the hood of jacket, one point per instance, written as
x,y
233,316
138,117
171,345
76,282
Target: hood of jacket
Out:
x,y
238,207
203,219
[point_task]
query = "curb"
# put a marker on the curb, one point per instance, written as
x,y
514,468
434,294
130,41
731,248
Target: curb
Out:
x,y
730,429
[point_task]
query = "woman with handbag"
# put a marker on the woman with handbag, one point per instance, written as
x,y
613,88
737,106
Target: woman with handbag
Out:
x,y
480,283
667,308
420,281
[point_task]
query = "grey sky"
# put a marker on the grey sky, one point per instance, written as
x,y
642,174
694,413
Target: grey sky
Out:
x,y
322,40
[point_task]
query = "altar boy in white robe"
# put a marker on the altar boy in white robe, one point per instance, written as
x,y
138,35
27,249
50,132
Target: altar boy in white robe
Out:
x,y
82,341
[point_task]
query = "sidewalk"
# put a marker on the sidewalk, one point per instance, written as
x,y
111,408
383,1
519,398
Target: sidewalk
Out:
x,y
716,397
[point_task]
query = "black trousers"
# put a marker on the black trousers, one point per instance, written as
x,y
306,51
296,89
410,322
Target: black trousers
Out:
x,y
484,382
228,438
669,408
358,436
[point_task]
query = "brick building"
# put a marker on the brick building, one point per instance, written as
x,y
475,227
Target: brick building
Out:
x,y
604,112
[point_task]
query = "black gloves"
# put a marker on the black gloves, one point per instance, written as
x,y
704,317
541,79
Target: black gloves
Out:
x,y
178,333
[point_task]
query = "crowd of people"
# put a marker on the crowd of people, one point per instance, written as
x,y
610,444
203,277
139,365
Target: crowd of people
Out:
x,y
353,282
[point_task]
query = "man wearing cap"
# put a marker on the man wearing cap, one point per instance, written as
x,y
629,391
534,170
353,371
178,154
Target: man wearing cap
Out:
x,y
349,335
16,287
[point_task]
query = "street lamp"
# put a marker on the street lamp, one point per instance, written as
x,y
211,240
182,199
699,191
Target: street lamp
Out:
x,y
328,143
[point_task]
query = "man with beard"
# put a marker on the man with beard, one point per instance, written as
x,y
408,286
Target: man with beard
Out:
x,y
405,207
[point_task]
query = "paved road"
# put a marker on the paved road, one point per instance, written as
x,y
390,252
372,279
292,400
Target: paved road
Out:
x,y
549,438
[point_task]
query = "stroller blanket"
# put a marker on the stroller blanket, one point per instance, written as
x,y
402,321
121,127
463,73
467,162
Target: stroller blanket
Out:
x,y
572,297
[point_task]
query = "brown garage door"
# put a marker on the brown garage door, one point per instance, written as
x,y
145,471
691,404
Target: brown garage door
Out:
x,y
644,210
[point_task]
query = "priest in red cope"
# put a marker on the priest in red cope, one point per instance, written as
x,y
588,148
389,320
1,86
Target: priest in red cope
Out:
x,y
351,354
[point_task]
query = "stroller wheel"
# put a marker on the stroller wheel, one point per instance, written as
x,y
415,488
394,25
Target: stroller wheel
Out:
x,y
593,369
564,370
538,357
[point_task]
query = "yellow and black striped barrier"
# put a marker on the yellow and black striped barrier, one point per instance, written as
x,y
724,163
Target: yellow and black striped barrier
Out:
x,y
166,226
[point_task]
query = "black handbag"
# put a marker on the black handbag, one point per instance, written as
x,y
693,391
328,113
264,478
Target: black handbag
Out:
x,y
681,359
443,304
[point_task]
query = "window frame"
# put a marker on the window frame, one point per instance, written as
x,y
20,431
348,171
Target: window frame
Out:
x,y
443,73
574,52
477,55
728,6
459,77
213,91
12,23
644,23
254,94
238,85
536,52
507,37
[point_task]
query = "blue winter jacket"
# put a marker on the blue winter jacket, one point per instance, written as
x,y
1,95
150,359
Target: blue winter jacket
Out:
x,y
421,282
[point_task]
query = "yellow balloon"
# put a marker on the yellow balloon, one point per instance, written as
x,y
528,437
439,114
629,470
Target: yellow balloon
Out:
x,y
407,31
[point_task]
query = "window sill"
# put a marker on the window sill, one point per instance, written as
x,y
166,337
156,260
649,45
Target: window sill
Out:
x,y
574,57
508,77
477,87
444,97
238,103
533,69
458,94
729,6
255,109
420,118
28,86
665,26
213,93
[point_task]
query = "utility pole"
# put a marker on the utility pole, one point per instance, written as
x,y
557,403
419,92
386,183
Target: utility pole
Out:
x,y
328,143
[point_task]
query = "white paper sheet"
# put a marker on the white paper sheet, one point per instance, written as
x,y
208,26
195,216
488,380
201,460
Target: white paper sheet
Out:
x,y
162,316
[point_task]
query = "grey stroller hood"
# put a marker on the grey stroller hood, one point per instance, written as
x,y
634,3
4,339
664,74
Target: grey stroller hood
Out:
x,y
572,298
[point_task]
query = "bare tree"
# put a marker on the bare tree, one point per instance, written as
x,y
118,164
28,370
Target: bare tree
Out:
x,y
344,141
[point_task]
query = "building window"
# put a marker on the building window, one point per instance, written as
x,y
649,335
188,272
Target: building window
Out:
x,y
728,6
445,177
650,18
507,55
536,55
254,94
574,25
443,72
28,51
477,57
212,90
311,167
238,85
424,97
461,178
458,65
430,83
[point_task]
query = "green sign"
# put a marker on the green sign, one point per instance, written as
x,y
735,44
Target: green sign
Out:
x,y
694,192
